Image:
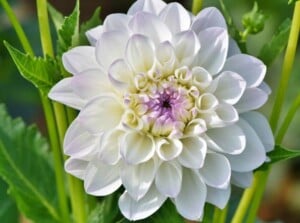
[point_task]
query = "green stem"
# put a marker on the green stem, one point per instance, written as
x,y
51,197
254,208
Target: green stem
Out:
x,y
253,195
220,215
196,7
49,117
287,67
76,189
288,119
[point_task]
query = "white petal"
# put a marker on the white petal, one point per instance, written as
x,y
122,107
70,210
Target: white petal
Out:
x,y
218,197
94,34
233,48
117,22
265,87
190,201
193,152
195,127
165,55
216,171
253,155
152,6
186,45
228,87
168,149
207,102
64,93
262,128
79,59
253,98
101,180
76,167
110,147
79,143
249,67
213,51
137,179
91,83
201,77
227,113
143,208
230,139
140,53
120,74
151,26
137,148
103,113
208,17
168,179
176,17
242,179
111,46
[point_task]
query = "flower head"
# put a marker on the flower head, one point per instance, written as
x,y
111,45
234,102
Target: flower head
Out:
x,y
166,104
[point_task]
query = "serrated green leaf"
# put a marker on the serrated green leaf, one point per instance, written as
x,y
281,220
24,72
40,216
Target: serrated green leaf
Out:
x,y
91,23
25,167
273,48
280,153
8,208
42,73
68,34
56,16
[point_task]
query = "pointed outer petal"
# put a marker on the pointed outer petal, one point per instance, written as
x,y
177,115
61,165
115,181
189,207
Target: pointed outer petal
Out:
x,y
94,34
242,179
140,53
76,167
176,17
216,170
233,48
262,128
168,179
195,127
250,68
191,199
213,51
91,83
137,148
229,139
120,74
252,99
79,59
193,153
254,154
101,114
79,143
110,147
201,77
227,113
143,208
168,149
152,6
63,93
137,179
165,55
186,45
265,87
101,179
208,17
218,197
151,26
117,22
228,87
111,46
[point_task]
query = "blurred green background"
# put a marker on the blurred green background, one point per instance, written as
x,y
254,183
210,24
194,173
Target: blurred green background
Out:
x,y
282,200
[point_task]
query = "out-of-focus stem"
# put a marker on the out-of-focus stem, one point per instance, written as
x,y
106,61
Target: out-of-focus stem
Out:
x,y
196,7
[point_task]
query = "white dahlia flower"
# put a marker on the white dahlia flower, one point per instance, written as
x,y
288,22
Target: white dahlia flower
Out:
x,y
166,104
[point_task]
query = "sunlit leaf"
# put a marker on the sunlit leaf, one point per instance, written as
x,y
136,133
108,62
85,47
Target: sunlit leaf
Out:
x,y
8,208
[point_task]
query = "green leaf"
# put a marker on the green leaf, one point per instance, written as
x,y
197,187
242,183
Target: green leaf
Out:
x,y
8,208
277,44
56,16
91,23
42,73
68,33
254,21
280,153
292,1
25,167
